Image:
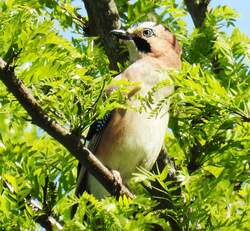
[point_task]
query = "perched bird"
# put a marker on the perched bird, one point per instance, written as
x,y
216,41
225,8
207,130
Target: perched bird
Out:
x,y
126,139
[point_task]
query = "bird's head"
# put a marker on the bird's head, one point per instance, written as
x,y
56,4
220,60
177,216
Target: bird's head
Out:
x,y
149,38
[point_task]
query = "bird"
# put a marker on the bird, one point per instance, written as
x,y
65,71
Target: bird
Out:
x,y
126,139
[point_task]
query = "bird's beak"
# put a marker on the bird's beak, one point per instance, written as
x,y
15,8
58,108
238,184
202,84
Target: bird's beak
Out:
x,y
121,34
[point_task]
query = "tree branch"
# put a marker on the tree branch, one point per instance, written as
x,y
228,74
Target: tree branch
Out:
x,y
197,9
103,17
45,220
69,140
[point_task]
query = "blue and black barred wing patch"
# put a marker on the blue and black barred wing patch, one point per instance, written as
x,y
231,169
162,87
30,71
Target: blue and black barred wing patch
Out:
x,y
95,131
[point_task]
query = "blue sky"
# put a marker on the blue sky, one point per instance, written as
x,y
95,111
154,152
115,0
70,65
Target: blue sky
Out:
x,y
241,6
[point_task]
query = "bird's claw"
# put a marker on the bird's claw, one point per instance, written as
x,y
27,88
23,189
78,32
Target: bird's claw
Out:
x,y
117,181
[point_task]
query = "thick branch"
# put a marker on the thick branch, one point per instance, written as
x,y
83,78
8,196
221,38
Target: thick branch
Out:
x,y
197,9
70,141
103,17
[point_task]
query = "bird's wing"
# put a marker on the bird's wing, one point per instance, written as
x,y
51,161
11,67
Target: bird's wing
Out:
x,y
93,137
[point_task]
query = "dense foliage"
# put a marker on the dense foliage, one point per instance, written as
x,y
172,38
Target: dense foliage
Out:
x,y
209,139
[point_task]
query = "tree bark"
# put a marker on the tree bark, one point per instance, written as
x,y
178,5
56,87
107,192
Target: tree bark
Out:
x,y
197,9
103,17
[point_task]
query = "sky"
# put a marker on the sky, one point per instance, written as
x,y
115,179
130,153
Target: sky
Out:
x,y
241,6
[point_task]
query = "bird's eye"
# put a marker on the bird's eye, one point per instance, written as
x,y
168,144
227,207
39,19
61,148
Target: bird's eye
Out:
x,y
148,33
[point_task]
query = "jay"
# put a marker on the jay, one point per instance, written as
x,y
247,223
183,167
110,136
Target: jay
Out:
x,y
126,139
